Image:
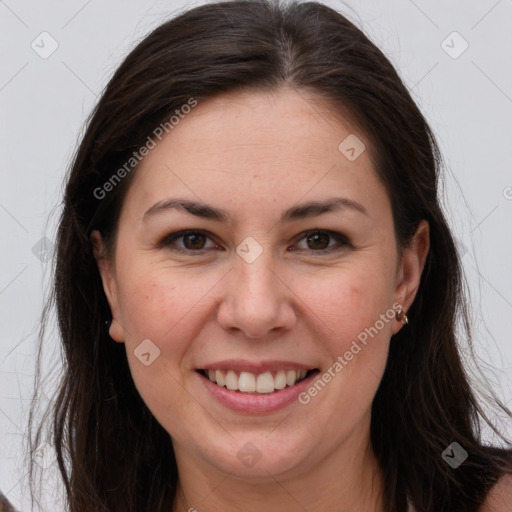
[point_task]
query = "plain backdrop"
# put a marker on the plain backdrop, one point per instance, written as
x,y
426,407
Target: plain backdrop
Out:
x,y
455,57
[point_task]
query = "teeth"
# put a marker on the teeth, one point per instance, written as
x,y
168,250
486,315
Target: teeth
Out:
x,y
231,381
291,377
219,377
280,380
247,382
265,383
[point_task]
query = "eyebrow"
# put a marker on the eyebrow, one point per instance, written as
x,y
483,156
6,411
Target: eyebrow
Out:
x,y
302,211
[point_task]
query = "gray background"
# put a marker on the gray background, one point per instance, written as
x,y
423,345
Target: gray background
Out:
x,y
466,98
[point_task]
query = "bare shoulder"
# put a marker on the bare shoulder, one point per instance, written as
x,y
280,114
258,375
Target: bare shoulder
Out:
x,y
499,498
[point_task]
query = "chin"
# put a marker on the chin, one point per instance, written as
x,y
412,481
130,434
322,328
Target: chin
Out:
x,y
259,456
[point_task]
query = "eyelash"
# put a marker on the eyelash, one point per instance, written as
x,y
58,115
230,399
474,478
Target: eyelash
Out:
x,y
168,240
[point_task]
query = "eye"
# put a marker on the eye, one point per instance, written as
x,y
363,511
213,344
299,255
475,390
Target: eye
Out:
x,y
318,241
193,241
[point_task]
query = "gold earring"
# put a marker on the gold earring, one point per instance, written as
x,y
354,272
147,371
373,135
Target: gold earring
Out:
x,y
401,316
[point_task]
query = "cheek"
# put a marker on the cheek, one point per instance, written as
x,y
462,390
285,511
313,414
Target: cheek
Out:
x,y
162,306
148,303
151,301
165,304
353,299
355,306
359,316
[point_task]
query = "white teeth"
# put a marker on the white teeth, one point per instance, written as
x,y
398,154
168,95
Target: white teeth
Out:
x,y
280,380
219,377
231,381
291,377
247,382
265,383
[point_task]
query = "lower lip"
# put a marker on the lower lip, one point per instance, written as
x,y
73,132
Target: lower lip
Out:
x,y
256,404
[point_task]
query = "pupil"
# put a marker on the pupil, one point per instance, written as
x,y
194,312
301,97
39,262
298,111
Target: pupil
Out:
x,y
317,237
195,237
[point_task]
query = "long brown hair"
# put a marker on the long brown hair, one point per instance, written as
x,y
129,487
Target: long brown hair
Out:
x,y
112,453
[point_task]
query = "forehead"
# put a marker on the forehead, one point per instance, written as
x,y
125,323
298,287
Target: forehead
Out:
x,y
270,148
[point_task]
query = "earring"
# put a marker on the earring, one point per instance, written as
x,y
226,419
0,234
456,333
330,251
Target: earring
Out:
x,y
401,316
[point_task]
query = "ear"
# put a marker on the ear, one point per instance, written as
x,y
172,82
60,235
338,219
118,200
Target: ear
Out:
x,y
109,284
410,269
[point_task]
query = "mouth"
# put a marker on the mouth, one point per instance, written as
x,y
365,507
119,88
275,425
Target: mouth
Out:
x,y
248,383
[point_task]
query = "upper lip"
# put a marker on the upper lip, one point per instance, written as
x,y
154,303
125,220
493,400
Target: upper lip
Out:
x,y
242,365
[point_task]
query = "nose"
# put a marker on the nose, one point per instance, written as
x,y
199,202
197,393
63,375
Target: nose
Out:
x,y
257,301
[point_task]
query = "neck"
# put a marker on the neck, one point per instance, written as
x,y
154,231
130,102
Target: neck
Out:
x,y
348,480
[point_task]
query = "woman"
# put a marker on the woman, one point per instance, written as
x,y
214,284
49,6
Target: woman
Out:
x,y
5,506
256,287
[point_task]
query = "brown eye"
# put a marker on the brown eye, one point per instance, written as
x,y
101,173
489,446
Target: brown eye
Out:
x,y
318,241
194,240
187,241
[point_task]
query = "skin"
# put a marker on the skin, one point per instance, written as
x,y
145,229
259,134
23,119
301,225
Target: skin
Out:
x,y
500,497
254,155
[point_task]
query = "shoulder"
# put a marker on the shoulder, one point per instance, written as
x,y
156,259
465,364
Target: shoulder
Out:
x,y
5,506
499,498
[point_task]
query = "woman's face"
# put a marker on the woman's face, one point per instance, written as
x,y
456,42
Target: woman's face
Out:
x,y
265,288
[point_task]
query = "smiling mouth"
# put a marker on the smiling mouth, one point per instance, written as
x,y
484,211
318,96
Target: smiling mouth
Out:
x,y
256,384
